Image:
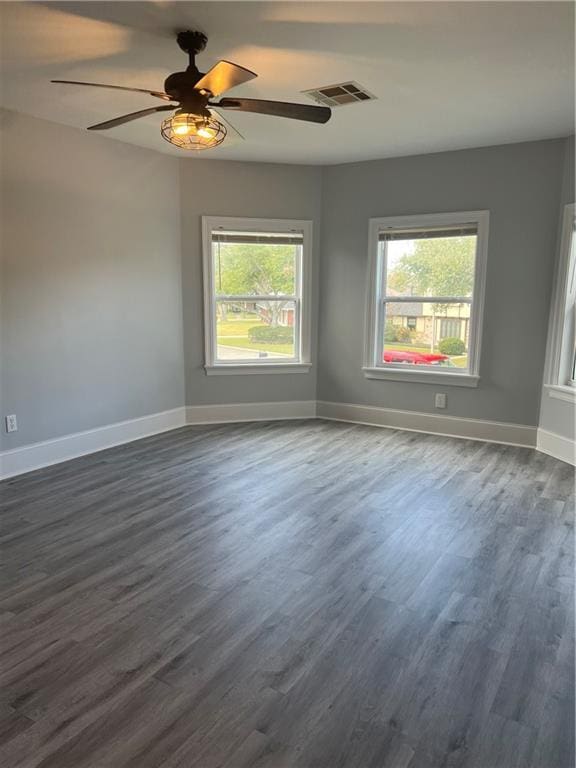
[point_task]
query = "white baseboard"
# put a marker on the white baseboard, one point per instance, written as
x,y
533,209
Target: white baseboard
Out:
x,y
430,423
555,445
38,455
234,412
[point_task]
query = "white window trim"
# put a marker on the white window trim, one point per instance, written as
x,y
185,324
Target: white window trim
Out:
x,y
217,368
373,368
557,382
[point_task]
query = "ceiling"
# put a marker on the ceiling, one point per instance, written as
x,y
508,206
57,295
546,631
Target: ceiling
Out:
x,y
447,75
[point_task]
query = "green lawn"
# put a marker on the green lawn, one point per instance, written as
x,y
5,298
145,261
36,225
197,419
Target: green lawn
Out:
x,y
406,347
234,333
237,327
243,342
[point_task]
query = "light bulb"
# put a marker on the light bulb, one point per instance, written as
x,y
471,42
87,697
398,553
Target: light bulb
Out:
x,y
183,124
206,133
190,131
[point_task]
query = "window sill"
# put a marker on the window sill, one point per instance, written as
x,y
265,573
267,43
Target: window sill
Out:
x,y
423,377
561,392
240,369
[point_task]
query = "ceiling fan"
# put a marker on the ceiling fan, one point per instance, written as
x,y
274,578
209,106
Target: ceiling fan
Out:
x,y
194,125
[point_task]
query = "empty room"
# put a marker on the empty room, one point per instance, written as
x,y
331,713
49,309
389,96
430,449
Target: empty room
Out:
x,y
287,384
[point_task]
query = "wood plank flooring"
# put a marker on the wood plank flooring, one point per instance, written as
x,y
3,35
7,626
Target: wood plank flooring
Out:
x,y
289,595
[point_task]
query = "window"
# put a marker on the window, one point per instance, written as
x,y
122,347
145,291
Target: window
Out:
x,y
450,328
256,289
561,365
425,297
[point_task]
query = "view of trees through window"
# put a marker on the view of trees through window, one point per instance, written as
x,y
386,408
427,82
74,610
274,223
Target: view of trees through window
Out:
x,y
429,280
256,296
438,272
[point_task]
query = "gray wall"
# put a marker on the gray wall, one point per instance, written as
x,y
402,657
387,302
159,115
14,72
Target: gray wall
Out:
x,y
101,316
559,416
91,323
519,185
218,188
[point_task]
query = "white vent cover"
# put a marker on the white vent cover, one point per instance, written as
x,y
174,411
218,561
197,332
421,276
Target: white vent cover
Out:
x,y
340,94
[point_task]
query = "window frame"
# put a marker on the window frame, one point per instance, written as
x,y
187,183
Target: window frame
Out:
x,y
303,295
375,368
560,383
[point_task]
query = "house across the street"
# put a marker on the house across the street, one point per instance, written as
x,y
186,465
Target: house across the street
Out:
x,y
427,323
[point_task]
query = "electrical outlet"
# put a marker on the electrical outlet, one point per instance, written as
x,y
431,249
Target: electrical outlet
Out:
x,y
440,400
11,423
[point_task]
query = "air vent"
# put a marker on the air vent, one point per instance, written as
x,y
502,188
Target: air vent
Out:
x,y
338,95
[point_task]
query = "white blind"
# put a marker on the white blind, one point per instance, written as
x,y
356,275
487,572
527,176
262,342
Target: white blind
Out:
x,y
462,230
258,238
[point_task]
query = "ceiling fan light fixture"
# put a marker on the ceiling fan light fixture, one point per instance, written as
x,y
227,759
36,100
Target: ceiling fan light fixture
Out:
x,y
193,126
189,131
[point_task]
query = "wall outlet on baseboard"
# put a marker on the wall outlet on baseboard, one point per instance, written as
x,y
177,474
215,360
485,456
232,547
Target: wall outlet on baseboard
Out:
x,y
440,400
11,423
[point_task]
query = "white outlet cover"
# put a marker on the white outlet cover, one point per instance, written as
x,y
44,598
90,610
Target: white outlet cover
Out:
x,y
11,423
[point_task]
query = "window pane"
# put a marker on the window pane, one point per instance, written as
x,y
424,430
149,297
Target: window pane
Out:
x,y
426,333
255,268
255,330
430,266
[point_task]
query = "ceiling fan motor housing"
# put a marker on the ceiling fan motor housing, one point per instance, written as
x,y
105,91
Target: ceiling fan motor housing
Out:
x,y
180,87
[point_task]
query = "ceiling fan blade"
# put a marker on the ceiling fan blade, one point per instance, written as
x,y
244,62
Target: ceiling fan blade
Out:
x,y
157,94
278,109
232,132
127,118
222,77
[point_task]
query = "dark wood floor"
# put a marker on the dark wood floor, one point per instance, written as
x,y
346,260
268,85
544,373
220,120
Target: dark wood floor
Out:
x,y
289,595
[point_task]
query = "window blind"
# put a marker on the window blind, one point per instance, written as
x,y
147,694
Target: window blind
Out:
x,y
426,234
258,238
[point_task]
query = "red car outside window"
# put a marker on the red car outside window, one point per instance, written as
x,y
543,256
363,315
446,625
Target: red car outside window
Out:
x,y
414,358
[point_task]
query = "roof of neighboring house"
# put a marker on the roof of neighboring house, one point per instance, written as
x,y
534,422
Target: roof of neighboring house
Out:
x,y
405,308
416,308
